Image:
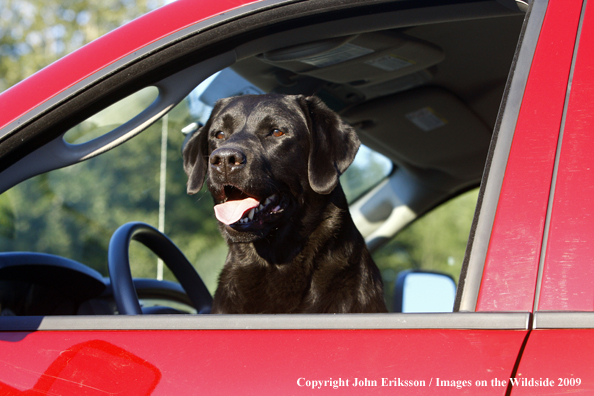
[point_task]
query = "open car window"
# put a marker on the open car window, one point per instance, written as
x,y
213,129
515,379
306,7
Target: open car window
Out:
x,y
424,107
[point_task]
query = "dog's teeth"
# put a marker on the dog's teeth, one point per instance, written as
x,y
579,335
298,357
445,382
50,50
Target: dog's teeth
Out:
x,y
276,209
251,214
270,199
260,207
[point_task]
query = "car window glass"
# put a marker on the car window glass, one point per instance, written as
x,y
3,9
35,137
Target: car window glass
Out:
x,y
366,171
73,211
435,242
110,118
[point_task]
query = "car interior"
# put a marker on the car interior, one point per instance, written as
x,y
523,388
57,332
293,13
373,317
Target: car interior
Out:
x,y
424,93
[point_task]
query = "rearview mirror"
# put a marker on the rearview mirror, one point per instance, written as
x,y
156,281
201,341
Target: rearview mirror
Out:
x,y
424,291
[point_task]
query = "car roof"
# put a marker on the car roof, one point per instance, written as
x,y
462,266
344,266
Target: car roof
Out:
x,y
140,35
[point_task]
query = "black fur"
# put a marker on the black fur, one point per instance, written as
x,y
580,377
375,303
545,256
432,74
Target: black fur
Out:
x,y
307,257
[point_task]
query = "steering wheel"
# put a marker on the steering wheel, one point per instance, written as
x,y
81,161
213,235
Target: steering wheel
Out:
x,y
121,277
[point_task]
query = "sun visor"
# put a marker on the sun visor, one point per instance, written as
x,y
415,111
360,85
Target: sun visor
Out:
x,y
361,60
427,128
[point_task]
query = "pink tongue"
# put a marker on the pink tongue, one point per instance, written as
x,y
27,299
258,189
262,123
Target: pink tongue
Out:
x,y
231,211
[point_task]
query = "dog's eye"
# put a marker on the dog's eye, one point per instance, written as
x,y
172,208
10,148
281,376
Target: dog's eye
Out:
x,y
277,133
219,135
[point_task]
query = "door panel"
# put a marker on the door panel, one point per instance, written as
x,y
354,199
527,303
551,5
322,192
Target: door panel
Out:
x,y
227,362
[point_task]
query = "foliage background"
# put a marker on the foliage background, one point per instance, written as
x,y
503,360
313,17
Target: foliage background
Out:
x,y
73,212
35,33
434,242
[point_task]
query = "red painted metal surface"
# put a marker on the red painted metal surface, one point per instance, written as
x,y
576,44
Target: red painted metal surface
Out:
x,y
568,277
563,356
106,50
511,268
83,368
258,362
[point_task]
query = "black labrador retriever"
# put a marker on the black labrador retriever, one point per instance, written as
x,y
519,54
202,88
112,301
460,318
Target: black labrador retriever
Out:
x,y
272,164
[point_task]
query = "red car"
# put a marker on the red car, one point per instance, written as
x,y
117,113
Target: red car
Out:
x,y
446,96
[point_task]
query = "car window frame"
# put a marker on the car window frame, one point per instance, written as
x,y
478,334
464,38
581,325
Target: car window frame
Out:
x,y
497,158
129,72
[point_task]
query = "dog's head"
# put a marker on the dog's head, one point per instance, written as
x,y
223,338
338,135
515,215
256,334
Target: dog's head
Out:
x,y
264,155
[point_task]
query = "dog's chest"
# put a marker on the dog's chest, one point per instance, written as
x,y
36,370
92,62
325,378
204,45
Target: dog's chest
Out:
x,y
266,288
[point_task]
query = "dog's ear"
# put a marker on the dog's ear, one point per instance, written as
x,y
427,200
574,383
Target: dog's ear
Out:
x,y
195,154
333,145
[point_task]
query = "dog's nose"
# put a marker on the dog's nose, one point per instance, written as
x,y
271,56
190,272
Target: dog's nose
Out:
x,y
227,160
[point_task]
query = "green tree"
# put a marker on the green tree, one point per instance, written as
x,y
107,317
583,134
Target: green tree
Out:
x,y
35,33
73,212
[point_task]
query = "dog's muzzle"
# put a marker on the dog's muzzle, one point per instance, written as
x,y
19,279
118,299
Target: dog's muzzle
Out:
x,y
227,161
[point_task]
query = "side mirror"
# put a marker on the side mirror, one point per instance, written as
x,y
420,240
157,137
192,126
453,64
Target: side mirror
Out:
x,y
424,291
